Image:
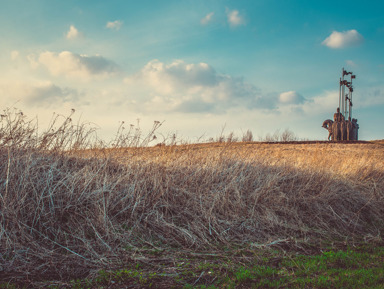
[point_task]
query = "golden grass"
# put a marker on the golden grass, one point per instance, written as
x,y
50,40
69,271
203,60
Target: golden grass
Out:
x,y
68,212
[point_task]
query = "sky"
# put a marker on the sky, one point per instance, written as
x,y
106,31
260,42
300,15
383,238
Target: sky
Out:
x,y
201,67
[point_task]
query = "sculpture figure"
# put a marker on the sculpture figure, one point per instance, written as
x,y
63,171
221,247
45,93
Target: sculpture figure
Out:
x,y
343,130
328,124
338,116
349,129
355,128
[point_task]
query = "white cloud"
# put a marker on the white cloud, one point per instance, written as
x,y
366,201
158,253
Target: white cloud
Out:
x,y
40,93
234,18
75,65
185,87
291,97
207,18
179,75
343,39
114,25
73,33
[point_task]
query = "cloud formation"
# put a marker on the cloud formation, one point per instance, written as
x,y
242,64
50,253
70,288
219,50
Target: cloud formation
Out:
x,y
48,93
116,25
42,93
178,75
207,18
74,65
73,33
291,97
343,39
197,87
234,18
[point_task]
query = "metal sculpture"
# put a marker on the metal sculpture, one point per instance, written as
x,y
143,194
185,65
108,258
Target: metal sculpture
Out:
x,y
341,129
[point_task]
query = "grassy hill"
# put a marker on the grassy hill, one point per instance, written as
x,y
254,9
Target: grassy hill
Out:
x,y
168,215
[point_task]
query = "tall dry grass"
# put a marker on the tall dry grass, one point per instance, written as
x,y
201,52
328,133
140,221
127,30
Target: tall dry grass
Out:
x,y
70,205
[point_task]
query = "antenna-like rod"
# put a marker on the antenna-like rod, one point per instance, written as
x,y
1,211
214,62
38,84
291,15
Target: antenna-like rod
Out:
x,y
342,93
350,96
344,98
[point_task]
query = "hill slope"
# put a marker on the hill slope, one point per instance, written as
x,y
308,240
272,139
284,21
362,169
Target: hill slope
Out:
x,y
68,213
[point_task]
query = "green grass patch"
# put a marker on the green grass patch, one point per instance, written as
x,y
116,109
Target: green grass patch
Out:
x,y
359,267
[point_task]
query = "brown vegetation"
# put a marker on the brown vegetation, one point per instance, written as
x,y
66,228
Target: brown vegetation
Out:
x,y
66,210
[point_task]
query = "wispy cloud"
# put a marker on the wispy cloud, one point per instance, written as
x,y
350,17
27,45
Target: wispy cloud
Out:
x,y
234,18
73,33
74,65
116,25
207,18
343,39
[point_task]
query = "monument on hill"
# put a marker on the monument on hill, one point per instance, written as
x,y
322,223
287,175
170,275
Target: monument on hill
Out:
x,y
343,127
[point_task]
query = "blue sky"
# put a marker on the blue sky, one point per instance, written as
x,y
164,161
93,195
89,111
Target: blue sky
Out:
x,y
197,65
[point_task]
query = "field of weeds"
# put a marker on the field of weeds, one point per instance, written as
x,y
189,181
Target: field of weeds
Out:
x,y
71,206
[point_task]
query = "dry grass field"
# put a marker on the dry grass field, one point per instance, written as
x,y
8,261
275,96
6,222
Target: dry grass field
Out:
x,y
67,211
